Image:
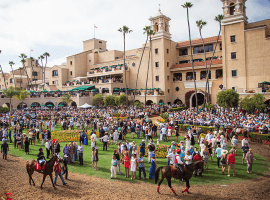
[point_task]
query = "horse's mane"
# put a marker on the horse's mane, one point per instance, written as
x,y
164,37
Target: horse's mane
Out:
x,y
194,164
51,158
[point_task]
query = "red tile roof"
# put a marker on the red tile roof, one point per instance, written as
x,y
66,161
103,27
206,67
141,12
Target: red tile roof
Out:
x,y
197,41
197,64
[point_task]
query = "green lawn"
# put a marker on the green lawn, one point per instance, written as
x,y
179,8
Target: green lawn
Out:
x,y
211,176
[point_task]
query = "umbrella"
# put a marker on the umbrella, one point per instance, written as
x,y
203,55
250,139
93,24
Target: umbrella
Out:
x,y
92,69
116,89
161,104
102,68
94,90
61,105
157,88
57,90
49,105
85,106
119,65
33,105
42,105
110,66
141,89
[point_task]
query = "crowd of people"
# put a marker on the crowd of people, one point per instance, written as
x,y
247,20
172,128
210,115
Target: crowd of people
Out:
x,y
138,124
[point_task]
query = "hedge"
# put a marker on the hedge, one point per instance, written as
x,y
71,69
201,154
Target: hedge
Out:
x,y
4,109
178,109
184,127
254,135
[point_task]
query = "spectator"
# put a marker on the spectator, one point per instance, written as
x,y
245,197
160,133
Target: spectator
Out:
x,y
231,162
26,145
223,160
142,147
244,149
72,153
58,172
114,164
197,157
65,167
133,166
171,156
126,164
188,158
47,146
66,149
153,167
140,160
249,159
80,149
116,154
218,152
4,149
205,157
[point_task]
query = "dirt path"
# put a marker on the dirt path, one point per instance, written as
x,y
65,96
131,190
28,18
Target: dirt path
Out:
x,y
13,177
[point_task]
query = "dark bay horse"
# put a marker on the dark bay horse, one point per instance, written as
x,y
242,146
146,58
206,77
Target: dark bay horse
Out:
x,y
31,167
166,172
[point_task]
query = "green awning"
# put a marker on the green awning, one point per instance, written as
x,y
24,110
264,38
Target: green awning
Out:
x,y
116,89
110,66
60,105
83,88
33,105
57,90
265,82
119,64
94,90
161,104
102,68
49,105
141,89
157,88
31,91
44,91
215,57
42,105
92,69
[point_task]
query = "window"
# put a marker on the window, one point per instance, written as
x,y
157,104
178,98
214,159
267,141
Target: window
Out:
x,y
220,46
168,78
177,77
168,51
168,64
55,82
34,73
183,52
183,61
233,38
11,80
70,62
219,73
234,73
157,78
89,60
100,42
233,55
156,51
232,9
233,88
168,90
157,64
70,73
55,73
200,49
116,58
177,89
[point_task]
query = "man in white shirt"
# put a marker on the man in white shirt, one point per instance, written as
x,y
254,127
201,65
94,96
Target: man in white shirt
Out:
x,y
164,135
244,141
105,140
188,158
48,146
171,156
80,150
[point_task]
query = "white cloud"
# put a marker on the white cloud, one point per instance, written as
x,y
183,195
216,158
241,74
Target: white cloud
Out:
x,y
64,24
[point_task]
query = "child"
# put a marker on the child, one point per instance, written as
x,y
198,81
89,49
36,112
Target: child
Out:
x,y
133,166
114,164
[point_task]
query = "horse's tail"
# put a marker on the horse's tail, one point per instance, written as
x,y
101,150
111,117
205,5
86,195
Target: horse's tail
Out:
x,y
157,174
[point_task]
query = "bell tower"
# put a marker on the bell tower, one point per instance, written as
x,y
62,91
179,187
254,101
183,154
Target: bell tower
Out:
x,y
234,11
160,24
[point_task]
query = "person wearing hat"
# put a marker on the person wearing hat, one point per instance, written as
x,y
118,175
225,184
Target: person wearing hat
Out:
x,y
249,159
223,160
231,162
244,149
197,157
41,158
151,149
142,147
188,158
179,164
153,167
58,172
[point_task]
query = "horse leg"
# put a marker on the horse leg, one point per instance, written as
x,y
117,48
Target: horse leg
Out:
x,y
169,179
44,177
52,181
159,183
187,186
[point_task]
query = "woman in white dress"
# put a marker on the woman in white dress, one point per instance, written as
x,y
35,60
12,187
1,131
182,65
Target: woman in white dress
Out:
x,y
133,166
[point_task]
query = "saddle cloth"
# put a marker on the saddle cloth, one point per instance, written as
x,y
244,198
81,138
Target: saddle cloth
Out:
x,y
38,167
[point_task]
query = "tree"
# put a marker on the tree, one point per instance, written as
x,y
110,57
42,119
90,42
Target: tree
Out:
x,y
145,29
247,104
46,54
138,105
218,18
121,100
109,100
200,25
67,99
209,106
125,30
228,98
11,63
10,92
21,95
149,33
98,100
258,100
188,5
23,57
41,57
32,59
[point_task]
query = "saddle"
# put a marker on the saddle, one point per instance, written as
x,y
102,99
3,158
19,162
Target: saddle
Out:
x,y
38,167
175,171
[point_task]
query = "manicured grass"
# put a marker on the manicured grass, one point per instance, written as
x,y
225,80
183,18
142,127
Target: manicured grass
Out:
x,y
212,176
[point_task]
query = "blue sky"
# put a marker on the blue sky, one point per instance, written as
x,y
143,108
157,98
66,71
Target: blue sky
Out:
x,y
59,26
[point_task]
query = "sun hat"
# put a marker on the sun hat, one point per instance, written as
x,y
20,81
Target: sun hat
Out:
x,y
173,142
178,151
143,140
224,152
65,156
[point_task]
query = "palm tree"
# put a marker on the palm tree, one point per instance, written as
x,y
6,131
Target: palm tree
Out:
x,y
46,54
188,5
149,33
23,57
200,25
10,92
11,63
41,57
67,99
146,28
218,18
125,30
21,95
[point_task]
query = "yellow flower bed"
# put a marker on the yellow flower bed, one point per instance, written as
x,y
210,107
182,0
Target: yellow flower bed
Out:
x,y
160,151
161,120
119,117
70,136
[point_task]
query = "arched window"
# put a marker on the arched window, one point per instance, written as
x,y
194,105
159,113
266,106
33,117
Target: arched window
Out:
x,y
232,9
156,27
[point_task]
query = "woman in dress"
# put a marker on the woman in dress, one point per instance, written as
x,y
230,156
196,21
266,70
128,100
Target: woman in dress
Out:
x,y
85,142
153,167
223,160
93,159
133,166
169,132
76,152
205,157
126,164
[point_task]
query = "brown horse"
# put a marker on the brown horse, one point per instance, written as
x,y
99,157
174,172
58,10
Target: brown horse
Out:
x,y
31,167
166,172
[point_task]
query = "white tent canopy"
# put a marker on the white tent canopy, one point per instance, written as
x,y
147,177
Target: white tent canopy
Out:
x,y
86,105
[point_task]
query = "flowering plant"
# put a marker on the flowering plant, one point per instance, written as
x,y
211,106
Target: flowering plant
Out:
x,y
6,195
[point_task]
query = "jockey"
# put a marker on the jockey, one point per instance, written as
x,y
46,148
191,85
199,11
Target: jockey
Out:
x,y
179,164
41,158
